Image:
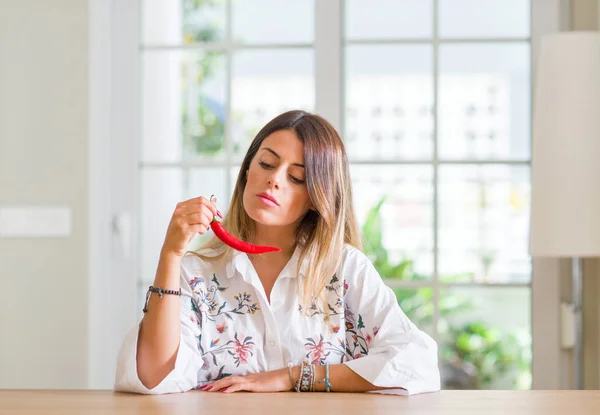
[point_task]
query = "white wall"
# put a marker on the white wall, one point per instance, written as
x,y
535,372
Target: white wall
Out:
x,y
43,161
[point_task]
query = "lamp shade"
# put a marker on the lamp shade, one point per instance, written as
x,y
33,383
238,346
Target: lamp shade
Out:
x,y
565,192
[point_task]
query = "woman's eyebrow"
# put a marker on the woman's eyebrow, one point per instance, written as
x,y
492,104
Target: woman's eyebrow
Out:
x,y
277,155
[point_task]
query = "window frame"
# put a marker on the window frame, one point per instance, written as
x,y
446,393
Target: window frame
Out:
x,y
114,196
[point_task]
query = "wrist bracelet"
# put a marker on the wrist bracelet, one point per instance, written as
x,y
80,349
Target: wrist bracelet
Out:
x,y
160,292
328,384
298,382
305,377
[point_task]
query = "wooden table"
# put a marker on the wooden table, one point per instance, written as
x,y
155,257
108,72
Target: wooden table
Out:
x,y
65,402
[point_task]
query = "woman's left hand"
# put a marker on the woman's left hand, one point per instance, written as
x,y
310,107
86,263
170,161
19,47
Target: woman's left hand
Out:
x,y
274,381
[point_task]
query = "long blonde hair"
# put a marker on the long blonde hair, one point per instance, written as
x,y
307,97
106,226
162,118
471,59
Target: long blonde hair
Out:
x,y
323,231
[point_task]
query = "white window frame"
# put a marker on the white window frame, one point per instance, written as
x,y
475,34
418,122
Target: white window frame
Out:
x,y
114,176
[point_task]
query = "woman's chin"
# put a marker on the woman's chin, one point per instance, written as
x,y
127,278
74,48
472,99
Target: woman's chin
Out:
x,y
261,215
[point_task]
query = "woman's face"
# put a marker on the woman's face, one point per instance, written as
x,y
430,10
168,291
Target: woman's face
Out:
x,y
277,172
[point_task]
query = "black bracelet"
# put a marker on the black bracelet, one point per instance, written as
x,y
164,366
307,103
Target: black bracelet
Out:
x,y
160,292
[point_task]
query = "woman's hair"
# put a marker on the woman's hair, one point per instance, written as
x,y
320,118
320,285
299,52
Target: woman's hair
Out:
x,y
323,231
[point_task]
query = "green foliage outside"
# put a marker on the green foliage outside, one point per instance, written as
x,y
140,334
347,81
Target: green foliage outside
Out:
x,y
473,355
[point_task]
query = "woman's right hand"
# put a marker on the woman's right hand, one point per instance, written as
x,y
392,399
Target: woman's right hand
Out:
x,y
189,218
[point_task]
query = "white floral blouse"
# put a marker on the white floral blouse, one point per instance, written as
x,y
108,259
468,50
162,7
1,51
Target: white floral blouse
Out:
x,y
229,328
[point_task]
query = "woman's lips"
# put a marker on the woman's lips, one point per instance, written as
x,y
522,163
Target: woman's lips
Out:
x,y
267,201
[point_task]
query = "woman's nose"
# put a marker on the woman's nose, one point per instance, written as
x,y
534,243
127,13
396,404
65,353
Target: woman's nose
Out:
x,y
274,178
273,182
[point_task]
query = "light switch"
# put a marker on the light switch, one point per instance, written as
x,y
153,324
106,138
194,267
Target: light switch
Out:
x,y
35,222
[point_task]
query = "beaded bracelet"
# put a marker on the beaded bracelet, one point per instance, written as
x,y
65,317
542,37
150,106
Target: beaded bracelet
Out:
x,y
328,384
299,381
160,292
305,377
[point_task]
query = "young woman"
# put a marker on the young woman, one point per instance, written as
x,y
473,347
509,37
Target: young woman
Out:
x,y
314,316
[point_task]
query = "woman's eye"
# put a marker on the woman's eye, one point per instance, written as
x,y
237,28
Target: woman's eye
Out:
x,y
269,166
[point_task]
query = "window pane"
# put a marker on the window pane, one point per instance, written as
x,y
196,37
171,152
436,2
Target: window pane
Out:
x,y
183,106
485,338
273,21
397,233
389,101
484,223
389,19
418,306
265,84
485,101
233,175
161,190
484,18
185,21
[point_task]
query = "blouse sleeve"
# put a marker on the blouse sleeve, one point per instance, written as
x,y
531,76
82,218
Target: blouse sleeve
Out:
x,y
188,362
386,348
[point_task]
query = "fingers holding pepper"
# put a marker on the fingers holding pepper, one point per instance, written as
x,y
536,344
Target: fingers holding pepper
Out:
x,y
189,218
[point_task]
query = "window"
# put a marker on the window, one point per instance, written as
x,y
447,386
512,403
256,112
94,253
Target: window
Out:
x,y
212,76
435,113
437,126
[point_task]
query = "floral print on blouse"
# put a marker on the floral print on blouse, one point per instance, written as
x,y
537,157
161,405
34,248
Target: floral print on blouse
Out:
x,y
229,328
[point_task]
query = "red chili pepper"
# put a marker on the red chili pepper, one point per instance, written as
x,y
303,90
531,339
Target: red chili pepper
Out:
x,y
235,243
232,241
